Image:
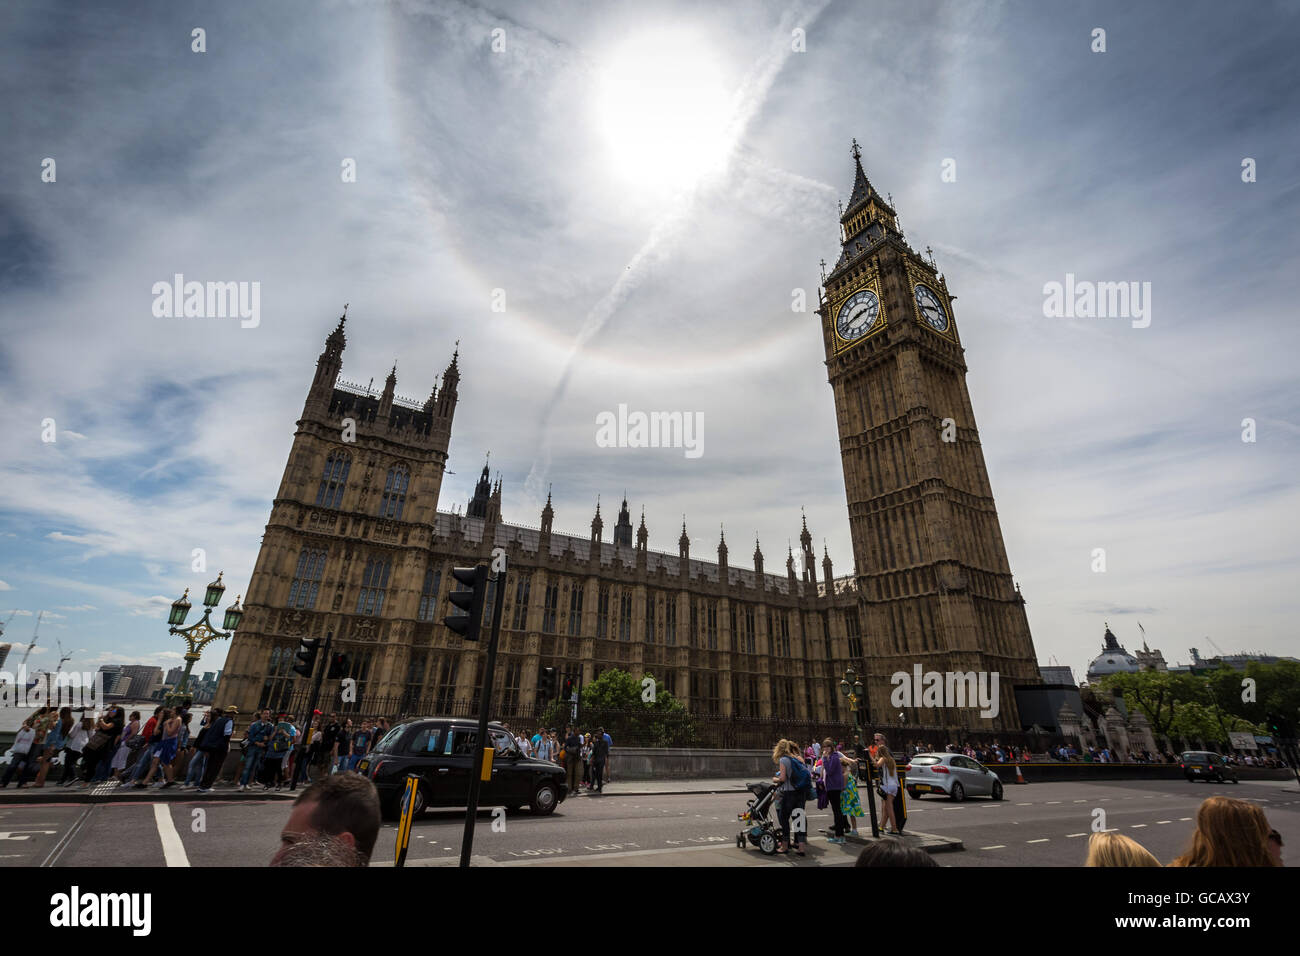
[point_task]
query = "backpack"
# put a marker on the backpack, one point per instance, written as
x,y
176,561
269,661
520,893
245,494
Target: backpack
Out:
x,y
800,778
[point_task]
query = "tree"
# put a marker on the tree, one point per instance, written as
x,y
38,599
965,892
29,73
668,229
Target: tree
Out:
x,y
1160,695
629,709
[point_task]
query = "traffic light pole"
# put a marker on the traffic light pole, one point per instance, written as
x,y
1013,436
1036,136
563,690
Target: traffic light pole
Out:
x,y
300,765
485,705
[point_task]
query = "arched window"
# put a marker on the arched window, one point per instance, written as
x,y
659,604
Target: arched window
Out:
x,y
306,578
390,506
374,586
333,480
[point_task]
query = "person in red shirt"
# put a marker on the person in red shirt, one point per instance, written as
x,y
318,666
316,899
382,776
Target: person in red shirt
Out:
x,y
145,753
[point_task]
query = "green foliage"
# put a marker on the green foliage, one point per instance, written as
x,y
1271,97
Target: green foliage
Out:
x,y
618,690
1159,695
1208,706
616,701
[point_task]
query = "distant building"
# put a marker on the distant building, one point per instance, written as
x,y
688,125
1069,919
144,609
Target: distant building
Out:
x,y
4,653
146,681
1149,660
1237,662
174,676
1063,676
1113,659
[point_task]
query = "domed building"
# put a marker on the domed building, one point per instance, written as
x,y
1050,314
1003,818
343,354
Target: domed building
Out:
x,y
1113,659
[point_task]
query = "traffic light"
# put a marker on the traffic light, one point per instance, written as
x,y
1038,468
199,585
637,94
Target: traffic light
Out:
x,y
570,688
469,624
548,685
307,656
338,667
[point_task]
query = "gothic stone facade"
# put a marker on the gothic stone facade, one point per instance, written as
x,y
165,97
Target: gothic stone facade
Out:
x,y
356,547
933,575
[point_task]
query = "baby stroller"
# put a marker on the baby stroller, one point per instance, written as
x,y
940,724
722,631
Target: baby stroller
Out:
x,y
759,826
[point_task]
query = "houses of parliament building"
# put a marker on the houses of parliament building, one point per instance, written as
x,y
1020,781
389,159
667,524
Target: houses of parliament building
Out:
x,y
356,546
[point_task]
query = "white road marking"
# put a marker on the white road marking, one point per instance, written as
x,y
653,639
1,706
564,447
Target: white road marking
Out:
x,y
1137,826
21,834
1050,802
173,849
1024,804
1070,835
1184,818
1158,822
1043,840
1080,801
996,846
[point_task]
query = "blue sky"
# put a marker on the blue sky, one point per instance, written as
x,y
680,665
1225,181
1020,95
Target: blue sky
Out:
x,y
648,182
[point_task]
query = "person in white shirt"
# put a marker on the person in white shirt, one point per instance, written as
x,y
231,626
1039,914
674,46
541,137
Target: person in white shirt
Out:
x,y
76,742
20,754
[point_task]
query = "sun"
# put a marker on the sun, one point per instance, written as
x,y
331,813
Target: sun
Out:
x,y
663,110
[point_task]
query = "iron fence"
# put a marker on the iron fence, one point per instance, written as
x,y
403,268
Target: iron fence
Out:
x,y
647,727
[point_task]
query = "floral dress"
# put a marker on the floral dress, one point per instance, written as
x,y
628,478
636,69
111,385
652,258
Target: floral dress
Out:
x,y
850,806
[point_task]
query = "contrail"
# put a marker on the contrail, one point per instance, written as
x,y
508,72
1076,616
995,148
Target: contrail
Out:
x,y
660,244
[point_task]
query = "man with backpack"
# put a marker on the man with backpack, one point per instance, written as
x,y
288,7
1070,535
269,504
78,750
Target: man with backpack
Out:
x,y
259,732
215,742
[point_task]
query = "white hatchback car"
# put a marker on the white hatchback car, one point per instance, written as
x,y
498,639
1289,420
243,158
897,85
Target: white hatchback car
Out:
x,y
954,775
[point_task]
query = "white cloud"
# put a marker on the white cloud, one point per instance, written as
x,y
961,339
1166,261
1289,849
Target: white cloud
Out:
x,y
4,586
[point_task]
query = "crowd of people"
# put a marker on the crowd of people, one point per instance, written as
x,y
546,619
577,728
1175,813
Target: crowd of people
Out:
x,y
584,756
165,750
829,772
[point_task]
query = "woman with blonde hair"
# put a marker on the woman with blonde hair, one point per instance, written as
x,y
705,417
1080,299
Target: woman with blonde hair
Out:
x,y
888,789
1229,832
1115,849
791,778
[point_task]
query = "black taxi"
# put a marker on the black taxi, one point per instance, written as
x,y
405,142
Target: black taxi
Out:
x,y
441,750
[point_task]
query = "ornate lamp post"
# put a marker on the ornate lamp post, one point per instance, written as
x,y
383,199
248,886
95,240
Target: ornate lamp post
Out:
x,y
198,635
851,688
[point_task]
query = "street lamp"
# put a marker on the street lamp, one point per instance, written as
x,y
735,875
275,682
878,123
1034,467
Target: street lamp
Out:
x,y
199,634
852,689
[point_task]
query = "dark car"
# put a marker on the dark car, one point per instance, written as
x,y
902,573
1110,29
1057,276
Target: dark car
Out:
x,y
1206,765
441,750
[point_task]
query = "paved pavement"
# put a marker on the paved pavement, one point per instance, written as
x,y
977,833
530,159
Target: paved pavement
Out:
x,y
1036,825
112,792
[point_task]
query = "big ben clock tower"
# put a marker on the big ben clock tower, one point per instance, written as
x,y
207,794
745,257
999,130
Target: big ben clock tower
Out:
x,y
932,572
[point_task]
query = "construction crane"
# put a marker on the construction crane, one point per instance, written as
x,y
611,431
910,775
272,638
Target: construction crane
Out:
x,y
1215,646
35,631
63,658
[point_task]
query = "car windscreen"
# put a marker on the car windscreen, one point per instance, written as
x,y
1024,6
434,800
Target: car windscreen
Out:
x,y
1196,758
390,740
923,761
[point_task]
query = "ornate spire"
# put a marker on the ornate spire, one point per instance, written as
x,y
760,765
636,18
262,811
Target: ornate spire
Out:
x,y
336,338
548,513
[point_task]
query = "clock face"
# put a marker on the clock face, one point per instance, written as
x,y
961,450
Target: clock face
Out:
x,y
857,315
931,308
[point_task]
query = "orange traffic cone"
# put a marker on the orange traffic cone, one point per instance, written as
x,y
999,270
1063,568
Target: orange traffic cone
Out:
x,y
1020,777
